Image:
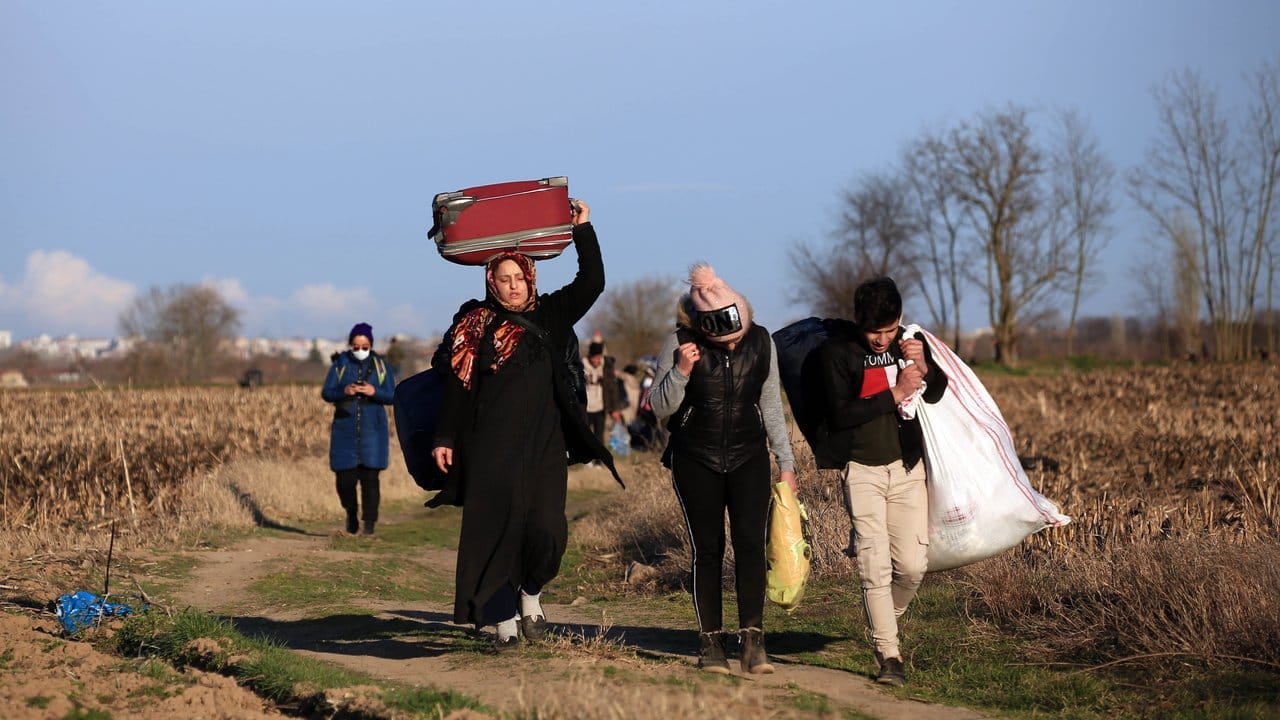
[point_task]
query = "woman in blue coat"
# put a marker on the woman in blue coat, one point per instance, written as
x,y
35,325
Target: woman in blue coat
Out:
x,y
359,384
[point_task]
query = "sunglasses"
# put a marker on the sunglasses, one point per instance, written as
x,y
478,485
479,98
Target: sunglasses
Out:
x,y
715,323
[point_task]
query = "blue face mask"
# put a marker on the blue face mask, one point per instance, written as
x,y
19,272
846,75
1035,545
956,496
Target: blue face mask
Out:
x,y
360,355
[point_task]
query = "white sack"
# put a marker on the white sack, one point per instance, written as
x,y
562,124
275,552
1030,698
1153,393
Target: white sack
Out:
x,y
980,501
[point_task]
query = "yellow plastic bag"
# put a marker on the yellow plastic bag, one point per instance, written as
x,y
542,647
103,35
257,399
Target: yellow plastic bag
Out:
x,y
788,552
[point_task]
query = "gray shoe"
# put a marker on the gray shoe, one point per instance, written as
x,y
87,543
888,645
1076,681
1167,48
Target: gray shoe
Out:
x,y
534,627
711,655
754,658
892,672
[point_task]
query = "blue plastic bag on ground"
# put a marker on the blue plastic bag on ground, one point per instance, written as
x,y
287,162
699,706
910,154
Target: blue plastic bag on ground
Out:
x,y
81,610
619,439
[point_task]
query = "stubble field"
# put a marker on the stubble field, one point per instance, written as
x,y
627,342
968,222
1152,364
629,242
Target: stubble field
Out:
x,y
1173,555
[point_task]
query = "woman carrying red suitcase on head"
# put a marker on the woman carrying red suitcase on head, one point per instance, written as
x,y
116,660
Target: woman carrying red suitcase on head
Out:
x,y
717,378
507,422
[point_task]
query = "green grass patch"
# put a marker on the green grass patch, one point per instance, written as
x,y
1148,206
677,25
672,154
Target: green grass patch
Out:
x,y
954,660
433,527
321,586
806,701
215,538
6,659
272,671
39,701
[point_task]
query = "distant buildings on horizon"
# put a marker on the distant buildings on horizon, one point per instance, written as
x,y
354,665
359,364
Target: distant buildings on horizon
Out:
x,y
73,347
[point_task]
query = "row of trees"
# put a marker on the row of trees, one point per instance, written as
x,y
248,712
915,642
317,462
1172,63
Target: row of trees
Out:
x,y
1020,212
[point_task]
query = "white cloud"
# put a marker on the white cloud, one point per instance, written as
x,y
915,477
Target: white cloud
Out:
x,y
59,293
326,300
231,290
315,309
408,318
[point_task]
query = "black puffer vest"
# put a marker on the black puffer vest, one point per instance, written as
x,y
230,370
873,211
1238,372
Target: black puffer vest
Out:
x,y
719,423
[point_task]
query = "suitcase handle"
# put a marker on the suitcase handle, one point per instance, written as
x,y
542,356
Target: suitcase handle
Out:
x,y
445,210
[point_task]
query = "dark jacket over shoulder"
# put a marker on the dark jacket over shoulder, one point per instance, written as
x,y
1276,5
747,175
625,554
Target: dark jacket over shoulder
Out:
x,y
861,417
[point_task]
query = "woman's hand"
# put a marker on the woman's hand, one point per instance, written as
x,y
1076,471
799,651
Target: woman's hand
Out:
x,y
581,213
687,355
789,478
350,389
444,458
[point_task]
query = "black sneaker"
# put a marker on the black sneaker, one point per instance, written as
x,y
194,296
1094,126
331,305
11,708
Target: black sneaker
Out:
x,y
368,527
892,672
353,525
534,627
503,646
711,655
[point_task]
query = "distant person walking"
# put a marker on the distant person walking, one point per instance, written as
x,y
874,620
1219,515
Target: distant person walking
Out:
x,y
604,406
717,379
395,355
865,377
509,426
359,384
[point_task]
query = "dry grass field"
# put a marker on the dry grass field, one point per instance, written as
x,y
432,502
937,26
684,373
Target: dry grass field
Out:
x,y
1173,554
1174,547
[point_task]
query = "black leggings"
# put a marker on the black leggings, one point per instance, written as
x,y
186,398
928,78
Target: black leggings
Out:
x,y
704,494
369,491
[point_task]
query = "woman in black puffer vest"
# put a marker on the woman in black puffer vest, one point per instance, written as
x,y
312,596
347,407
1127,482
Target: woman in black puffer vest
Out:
x,y
717,381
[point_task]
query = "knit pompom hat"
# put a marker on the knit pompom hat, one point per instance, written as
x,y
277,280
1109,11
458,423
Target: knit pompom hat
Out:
x,y
708,292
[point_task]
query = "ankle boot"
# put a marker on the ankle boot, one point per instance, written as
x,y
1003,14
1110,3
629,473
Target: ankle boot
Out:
x,y
353,524
711,655
754,659
368,527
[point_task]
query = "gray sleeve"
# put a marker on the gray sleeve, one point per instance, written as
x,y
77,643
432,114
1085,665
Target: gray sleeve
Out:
x,y
667,391
775,419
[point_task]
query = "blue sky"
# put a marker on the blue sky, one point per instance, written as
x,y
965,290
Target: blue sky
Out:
x,y
288,151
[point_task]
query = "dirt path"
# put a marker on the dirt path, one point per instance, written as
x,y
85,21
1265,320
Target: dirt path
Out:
x,y
416,642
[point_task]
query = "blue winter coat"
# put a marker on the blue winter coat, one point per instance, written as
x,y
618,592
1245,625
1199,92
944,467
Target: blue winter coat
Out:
x,y
359,435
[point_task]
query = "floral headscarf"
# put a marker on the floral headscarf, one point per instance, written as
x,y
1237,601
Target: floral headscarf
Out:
x,y
470,330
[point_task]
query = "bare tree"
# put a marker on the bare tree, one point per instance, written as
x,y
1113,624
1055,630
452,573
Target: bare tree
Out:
x,y
636,316
875,237
938,218
1082,185
1186,287
189,323
1273,265
999,174
1226,186
831,276
877,227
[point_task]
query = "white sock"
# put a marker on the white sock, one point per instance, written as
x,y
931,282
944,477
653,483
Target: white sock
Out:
x,y
509,628
530,606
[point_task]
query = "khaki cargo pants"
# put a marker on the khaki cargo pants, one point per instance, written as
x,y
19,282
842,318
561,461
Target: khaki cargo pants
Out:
x,y
889,508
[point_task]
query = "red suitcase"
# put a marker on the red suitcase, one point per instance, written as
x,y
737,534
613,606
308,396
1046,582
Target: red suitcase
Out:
x,y
531,217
